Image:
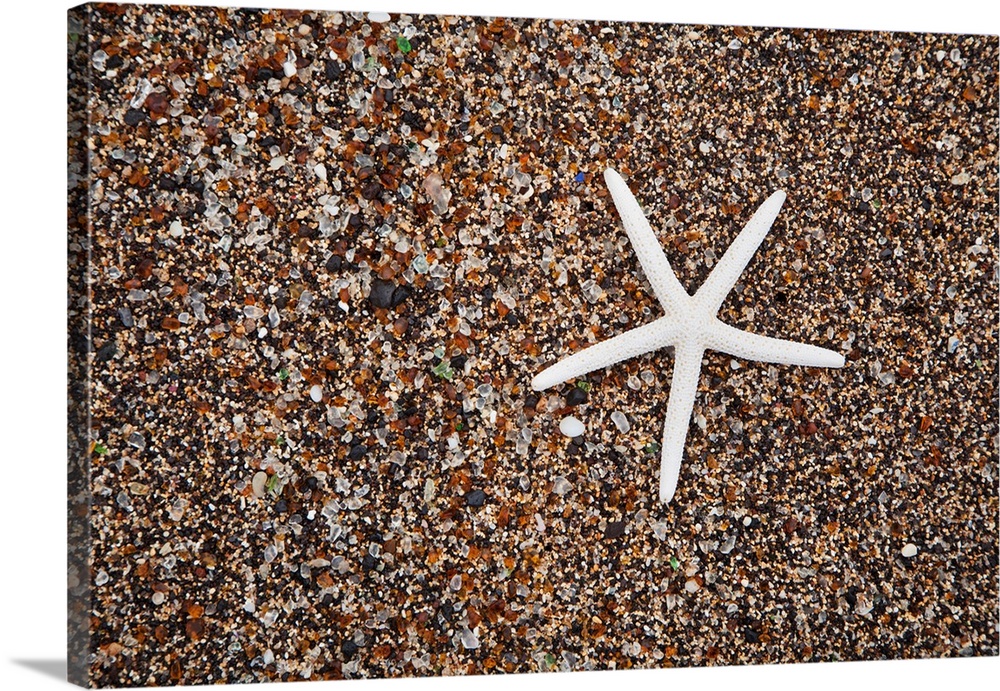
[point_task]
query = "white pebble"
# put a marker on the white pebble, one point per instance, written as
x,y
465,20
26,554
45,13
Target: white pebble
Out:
x,y
379,17
289,69
176,229
316,393
909,550
320,171
691,585
571,427
621,422
259,483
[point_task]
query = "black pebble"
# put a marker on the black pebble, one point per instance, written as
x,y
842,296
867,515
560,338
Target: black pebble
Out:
x,y
576,396
381,293
358,452
133,117
751,636
349,648
265,73
400,294
457,363
368,563
476,497
107,351
114,62
614,529
333,69
334,263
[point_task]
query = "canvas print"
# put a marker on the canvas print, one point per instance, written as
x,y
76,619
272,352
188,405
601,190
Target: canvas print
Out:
x,y
408,345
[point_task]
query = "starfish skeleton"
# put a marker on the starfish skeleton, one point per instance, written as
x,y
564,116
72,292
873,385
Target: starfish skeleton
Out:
x,y
690,325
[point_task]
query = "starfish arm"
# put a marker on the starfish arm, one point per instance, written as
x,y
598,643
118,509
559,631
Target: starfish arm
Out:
x,y
683,387
751,346
643,339
716,287
655,264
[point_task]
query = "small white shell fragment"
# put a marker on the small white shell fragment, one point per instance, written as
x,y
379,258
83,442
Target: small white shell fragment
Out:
x,y
909,550
320,170
378,17
176,229
259,483
316,393
571,427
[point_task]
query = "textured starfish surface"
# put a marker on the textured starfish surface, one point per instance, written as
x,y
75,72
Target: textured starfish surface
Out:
x,y
690,324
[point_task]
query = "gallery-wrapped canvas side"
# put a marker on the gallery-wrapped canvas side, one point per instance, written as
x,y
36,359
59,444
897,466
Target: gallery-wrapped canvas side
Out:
x,y
79,351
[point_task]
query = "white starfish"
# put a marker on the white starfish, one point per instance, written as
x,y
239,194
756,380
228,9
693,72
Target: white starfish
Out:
x,y
690,325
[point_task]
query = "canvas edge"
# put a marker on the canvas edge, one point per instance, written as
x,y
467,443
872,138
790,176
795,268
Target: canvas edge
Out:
x,y
78,507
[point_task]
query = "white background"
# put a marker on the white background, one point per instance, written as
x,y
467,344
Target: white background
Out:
x,y
32,336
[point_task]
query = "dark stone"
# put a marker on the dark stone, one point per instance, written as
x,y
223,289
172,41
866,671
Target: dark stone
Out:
x,y
400,294
358,452
381,293
133,117
334,263
281,506
107,351
369,562
576,396
114,62
457,363
349,648
333,69
615,529
265,73
476,497
751,636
